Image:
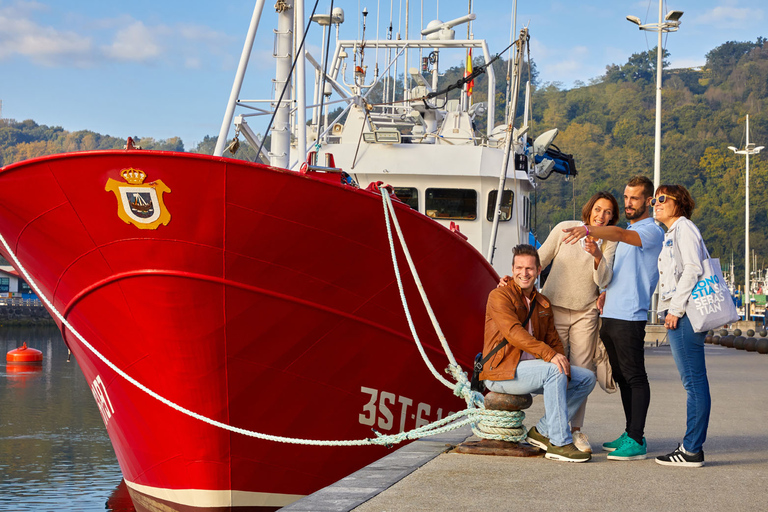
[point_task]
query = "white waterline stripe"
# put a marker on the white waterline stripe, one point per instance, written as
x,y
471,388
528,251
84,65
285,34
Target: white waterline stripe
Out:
x,y
216,498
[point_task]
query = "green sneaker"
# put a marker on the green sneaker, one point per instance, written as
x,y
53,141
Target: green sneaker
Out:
x,y
609,447
567,453
537,440
630,450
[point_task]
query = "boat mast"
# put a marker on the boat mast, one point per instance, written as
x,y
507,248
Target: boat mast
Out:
x,y
281,128
235,93
301,86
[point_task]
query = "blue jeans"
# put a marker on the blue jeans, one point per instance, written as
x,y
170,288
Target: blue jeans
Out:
x,y
561,397
688,351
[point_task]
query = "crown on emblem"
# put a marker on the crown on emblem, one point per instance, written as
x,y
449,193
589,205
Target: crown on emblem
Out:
x,y
133,176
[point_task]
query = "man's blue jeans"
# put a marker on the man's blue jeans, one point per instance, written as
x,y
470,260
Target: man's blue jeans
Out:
x,y
561,397
688,351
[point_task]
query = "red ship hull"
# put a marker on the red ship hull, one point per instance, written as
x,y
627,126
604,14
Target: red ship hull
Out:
x,y
267,301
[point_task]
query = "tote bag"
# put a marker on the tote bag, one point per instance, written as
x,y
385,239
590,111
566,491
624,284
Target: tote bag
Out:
x,y
710,304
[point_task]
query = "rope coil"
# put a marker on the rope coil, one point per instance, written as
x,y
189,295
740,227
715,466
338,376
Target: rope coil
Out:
x,y
501,425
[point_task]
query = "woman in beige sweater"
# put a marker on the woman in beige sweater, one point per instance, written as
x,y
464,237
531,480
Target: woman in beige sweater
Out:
x,y
578,273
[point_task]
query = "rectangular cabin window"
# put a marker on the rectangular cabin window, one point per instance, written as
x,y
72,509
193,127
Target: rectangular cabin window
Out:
x,y
409,196
505,207
5,284
24,287
451,203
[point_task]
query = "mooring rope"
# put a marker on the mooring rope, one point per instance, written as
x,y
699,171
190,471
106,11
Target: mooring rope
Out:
x,y
491,424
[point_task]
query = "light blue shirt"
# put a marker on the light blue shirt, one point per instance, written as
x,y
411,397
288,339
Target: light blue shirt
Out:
x,y
635,274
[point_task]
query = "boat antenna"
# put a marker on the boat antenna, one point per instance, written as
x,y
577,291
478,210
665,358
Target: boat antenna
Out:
x,y
290,74
378,23
362,39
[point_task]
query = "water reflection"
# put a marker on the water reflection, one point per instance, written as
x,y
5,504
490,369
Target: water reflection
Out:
x,y
55,454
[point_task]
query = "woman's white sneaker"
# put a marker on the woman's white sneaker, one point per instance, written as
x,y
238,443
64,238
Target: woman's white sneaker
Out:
x,y
581,441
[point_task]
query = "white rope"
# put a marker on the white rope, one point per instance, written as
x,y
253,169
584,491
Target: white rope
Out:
x,y
490,424
406,309
462,387
422,292
501,426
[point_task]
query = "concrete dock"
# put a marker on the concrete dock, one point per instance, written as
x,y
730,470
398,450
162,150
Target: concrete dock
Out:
x,y
426,475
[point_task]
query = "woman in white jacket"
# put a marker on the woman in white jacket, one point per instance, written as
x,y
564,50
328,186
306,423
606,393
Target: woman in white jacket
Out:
x,y
680,265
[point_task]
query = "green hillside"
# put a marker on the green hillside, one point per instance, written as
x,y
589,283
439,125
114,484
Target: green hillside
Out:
x,y
609,127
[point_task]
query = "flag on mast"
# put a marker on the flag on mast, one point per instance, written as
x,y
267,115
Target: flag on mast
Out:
x,y
467,72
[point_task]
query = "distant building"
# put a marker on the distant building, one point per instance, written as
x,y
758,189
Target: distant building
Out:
x,y
11,285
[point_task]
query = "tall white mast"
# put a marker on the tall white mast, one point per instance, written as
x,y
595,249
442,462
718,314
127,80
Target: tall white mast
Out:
x,y
281,128
301,88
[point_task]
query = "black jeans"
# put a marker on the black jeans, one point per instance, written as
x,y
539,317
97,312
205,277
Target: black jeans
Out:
x,y
624,342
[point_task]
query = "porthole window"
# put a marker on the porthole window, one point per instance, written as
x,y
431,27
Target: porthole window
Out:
x,y
451,203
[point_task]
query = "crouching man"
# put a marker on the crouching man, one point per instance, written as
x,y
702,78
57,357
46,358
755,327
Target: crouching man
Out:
x,y
531,358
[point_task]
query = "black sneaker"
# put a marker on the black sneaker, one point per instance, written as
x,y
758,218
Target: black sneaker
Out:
x,y
680,458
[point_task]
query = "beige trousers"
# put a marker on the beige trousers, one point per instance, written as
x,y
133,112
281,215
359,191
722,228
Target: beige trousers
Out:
x,y
578,330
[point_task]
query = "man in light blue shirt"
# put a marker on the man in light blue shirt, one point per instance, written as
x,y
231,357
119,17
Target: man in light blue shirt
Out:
x,y
627,300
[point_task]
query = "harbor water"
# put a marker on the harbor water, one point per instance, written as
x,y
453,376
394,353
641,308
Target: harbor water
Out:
x,y
55,454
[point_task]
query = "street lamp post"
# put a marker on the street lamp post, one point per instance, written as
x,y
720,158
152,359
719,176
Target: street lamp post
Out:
x,y
749,149
668,23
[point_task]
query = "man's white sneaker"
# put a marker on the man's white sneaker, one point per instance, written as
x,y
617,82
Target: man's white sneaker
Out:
x,y
581,441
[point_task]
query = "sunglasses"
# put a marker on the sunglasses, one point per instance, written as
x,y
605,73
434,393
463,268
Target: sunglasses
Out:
x,y
662,199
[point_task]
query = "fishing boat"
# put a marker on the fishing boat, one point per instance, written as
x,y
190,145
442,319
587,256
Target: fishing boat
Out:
x,y
225,312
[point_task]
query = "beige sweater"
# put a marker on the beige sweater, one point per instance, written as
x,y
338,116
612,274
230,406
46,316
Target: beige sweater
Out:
x,y
574,282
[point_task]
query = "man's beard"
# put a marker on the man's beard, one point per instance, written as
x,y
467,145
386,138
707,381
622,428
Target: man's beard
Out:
x,y
638,213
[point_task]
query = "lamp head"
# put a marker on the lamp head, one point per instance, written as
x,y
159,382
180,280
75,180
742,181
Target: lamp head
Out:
x,y
673,15
635,20
732,149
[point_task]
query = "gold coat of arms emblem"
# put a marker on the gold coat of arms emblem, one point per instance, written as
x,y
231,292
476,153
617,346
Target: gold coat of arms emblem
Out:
x,y
139,203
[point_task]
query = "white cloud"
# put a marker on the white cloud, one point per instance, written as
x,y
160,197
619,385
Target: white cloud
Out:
x,y
729,16
136,42
192,63
90,42
567,66
20,36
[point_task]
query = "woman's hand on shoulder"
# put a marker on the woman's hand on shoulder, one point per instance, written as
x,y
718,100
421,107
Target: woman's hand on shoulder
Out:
x,y
504,281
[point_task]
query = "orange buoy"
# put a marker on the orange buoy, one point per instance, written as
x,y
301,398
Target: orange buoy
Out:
x,y
24,355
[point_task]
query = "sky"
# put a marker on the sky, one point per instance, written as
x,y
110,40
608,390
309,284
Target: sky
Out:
x,y
165,68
